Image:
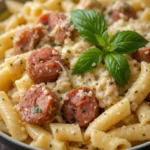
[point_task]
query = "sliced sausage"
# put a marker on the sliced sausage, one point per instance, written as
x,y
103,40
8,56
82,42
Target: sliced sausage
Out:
x,y
44,65
81,107
38,105
126,10
27,39
58,24
142,54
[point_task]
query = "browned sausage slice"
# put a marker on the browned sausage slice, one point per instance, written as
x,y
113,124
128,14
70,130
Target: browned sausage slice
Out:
x,y
81,107
57,22
38,105
27,39
44,65
126,10
142,54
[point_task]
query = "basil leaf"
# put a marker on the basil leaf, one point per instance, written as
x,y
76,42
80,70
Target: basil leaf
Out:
x,y
88,23
37,109
88,61
100,40
118,67
111,47
128,42
105,36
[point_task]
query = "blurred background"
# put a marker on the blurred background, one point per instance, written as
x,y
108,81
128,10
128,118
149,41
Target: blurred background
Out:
x,y
4,13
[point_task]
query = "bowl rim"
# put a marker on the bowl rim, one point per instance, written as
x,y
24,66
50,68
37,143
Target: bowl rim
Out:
x,y
6,137
9,139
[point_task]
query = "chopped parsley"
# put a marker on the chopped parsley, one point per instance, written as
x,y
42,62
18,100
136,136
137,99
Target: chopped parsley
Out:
x,y
37,109
53,44
21,62
21,48
37,43
68,51
39,59
50,145
83,110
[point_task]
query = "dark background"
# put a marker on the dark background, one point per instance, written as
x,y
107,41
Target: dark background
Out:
x,y
2,147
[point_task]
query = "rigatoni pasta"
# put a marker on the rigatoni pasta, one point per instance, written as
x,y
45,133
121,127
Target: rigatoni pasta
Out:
x,y
103,141
66,132
135,132
110,117
142,112
3,127
11,118
140,89
24,83
5,75
43,139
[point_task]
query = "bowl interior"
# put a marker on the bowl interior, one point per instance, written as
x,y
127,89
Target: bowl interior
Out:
x,y
15,145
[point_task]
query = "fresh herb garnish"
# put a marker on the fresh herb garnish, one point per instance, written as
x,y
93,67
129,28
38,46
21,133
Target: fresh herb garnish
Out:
x,y
118,66
83,110
88,60
88,23
50,145
92,27
36,109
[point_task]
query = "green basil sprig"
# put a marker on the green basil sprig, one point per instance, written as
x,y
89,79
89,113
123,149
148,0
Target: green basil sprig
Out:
x,y
88,23
118,66
92,27
90,59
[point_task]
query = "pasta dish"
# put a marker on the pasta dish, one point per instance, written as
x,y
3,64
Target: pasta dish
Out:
x,y
74,74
